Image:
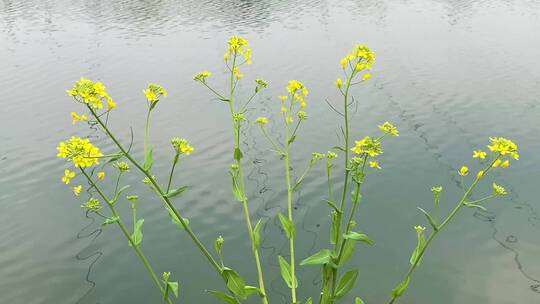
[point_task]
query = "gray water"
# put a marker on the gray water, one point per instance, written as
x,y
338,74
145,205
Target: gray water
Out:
x,y
449,74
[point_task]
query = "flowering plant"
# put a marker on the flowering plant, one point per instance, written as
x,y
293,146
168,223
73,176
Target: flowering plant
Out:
x,y
359,161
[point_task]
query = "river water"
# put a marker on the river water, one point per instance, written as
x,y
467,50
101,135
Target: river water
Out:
x,y
449,74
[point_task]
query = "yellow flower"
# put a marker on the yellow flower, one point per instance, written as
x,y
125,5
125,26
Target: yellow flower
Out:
x,y
503,146
154,92
464,170
302,105
361,56
505,164
366,77
76,117
283,98
498,190
497,163
480,174
283,109
368,145
68,175
338,83
296,86
80,151
479,154
101,175
289,119
181,145
261,120
77,190
89,92
110,104
419,229
238,46
388,128
374,164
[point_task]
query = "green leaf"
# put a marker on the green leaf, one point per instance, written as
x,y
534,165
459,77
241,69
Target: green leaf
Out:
x,y
137,235
223,296
352,235
287,225
238,154
332,205
322,257
291,140
400,289
257,235
286,274
470,205
236,189
251,290
348,250
111,220
148,159
339,148
174,287
346,283
419,247
175,192
235,283
430,219
117,194
334,233
175,220
358,301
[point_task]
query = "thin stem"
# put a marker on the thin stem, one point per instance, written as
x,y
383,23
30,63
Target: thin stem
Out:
x,y
146,131
175,160
236,128
270,140
290,213
124,230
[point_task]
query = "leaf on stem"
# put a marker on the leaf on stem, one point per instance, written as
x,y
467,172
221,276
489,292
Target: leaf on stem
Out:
x,y
357,300
238,154
324,256
175,219
286,273
352,235
111,220
175,192
346,283
235,283
287,225
137,235
400,289
148,159
238,195
257,235
223,296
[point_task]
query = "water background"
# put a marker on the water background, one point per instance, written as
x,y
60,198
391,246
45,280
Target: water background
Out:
x,y
449,74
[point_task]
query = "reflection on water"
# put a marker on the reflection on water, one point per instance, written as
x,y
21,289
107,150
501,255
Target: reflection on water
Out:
x,y
449,74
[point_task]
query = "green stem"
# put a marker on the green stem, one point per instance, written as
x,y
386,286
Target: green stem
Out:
x,y
146,131
290,214
161,194
434,233
247,215
175,160
124,230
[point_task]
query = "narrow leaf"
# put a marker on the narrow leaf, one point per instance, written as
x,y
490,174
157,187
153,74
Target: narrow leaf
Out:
x,y
175,220
348,250
358,301
291,140
110,220
475,206
346,283
223,296
137,235
322,257
287,225
286,274
334,233
235,283
251,290
175,192
148,159
400,289
430,219
236,189
352,235
238,154
174,287
257,235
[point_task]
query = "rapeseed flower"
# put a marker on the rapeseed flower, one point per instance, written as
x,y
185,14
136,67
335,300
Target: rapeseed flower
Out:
x,y
368,145
80,151
122,166
238,46
89,92
154,92
361,57
181,145
92,205
201,76
77,190
76,117
68,175
498,190
261,120
388,128
374,164
503,146
101,175
479,154
464,170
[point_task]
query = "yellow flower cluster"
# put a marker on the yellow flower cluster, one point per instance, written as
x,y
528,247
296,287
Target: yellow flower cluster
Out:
x,y
238,46
76,117
80,151
261,120
503,146
201,76
92,205
91,93
368,145
388,128
498,190
154,92
464,170
479,154
181,145
359,58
